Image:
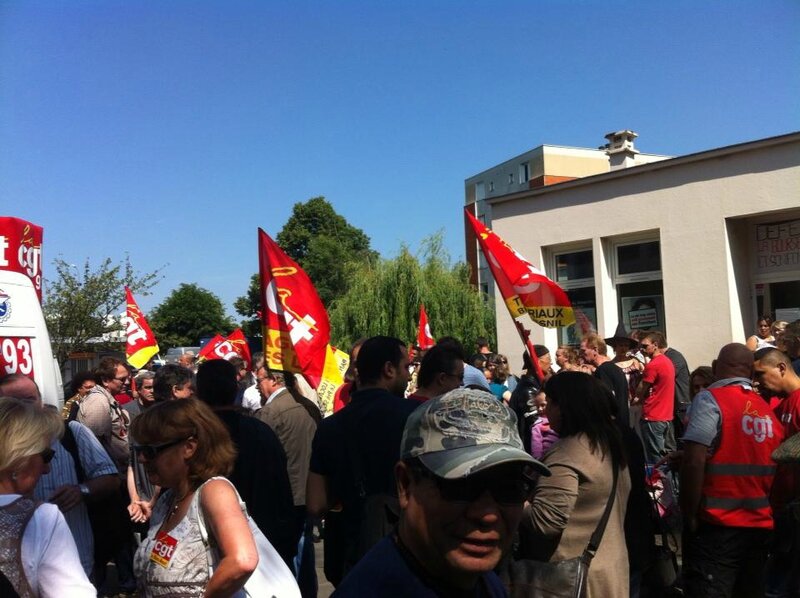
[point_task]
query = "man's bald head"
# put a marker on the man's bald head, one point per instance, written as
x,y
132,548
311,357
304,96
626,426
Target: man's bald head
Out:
x,y
734,361
19,386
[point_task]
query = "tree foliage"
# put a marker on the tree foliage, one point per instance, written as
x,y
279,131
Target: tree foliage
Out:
x,y
324,244
248,306
384,298
83,305
188,314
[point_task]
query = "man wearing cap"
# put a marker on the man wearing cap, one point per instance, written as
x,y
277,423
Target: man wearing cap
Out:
x,y
462,479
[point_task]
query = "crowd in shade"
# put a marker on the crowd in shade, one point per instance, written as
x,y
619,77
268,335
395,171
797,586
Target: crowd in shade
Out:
x,y
610,466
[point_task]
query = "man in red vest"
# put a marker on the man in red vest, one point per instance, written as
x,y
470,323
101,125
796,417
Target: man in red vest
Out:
x,y
777,379
726,476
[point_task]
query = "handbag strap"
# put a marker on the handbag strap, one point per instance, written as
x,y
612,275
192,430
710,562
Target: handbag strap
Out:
x,y
597,536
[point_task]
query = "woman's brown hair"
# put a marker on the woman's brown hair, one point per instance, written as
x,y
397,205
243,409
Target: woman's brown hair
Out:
x,y
189,418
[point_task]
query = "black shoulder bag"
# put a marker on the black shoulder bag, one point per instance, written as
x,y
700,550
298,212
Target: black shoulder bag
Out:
x,y
559,579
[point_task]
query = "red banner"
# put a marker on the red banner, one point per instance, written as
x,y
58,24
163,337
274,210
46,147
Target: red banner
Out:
x,y
524,287
238,342
424,337
141,345
21,249
217,348
295,323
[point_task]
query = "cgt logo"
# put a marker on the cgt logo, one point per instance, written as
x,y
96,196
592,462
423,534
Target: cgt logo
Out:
x,y
760,428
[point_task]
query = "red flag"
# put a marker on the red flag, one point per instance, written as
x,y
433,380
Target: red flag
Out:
x,y
238,341
524,287
141,344
424,337
21,249
217,348
295,323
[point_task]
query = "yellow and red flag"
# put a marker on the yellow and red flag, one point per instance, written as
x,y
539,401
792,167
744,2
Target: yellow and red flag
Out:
x,y
294,320
141,345
524,287
424,337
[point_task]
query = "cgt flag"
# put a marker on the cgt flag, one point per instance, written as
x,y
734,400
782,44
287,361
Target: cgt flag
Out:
x,y
524,287
424,337
141,345
217,348
238,341
295,323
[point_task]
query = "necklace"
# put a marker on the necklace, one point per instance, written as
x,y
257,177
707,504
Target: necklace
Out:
x,y
177,504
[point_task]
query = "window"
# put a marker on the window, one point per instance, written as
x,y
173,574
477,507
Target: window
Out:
x,y
491,186
524,172
574,272
510,178
640,290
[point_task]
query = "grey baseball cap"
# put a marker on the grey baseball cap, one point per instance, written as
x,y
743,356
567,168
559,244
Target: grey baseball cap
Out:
x,y
464,432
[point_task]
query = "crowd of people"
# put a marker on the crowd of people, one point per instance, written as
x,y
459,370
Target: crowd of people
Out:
x,y
438,473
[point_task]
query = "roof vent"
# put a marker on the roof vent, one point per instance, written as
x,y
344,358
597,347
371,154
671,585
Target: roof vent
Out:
x,y
620,150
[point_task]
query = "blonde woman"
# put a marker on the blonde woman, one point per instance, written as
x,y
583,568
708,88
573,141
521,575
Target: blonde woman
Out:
x,y
39,557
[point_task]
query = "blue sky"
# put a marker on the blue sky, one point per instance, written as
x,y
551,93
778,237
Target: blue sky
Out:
x,y
172,130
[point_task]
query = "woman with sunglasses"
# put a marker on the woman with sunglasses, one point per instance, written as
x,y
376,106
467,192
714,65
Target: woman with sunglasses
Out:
x,y
38,556
184,448
566,507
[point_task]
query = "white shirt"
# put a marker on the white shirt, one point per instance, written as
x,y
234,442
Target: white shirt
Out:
x,y
251,400
49,555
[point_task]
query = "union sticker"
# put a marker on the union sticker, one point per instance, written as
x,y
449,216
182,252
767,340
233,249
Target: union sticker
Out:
x,y
163,550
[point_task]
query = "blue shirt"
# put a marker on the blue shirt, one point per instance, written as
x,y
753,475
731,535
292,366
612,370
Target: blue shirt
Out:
x,y
705,419
386,572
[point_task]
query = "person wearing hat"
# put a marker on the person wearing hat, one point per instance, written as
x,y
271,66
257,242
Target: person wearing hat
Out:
x,y
462,480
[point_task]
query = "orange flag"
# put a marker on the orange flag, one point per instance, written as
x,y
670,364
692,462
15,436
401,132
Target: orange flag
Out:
x,y
141,345
424,337
294,320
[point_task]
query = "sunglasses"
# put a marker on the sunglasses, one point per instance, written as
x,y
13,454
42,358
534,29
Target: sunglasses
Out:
x,y
151,451
509,491
47,455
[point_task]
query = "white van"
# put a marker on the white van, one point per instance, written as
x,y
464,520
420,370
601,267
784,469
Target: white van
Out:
x,y
24,341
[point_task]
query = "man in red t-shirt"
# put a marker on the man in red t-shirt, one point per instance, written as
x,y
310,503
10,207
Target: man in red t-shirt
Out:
x,y
656,392
775,377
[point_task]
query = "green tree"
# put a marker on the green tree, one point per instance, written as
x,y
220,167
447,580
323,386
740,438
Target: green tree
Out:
x,y
384,298
248,306
324,244
83,305
186,315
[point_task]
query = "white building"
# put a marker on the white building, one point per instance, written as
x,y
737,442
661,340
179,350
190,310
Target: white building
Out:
x,y
696,245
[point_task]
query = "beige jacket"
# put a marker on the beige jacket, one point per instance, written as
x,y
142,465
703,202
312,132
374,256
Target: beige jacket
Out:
x,y
567,506
100,412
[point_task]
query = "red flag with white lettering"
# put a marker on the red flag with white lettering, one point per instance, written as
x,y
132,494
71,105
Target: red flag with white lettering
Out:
x,y
21,249
238,341
524,287
424,337
294,320
141,344
217,348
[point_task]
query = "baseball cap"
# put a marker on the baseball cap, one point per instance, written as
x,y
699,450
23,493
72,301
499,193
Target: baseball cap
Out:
x,y
463,432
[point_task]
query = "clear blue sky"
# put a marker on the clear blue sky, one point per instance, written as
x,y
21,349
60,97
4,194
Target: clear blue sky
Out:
x,y
172,130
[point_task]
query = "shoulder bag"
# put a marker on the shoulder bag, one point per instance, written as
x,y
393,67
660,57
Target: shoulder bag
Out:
x,y
558,579
271,579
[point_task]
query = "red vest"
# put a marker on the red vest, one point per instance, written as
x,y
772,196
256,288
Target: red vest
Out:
x,y
738,477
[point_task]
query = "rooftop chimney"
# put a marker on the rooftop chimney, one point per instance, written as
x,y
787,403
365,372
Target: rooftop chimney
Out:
x,y
620,150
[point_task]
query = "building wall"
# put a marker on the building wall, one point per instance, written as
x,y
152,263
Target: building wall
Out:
x,y
702,208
